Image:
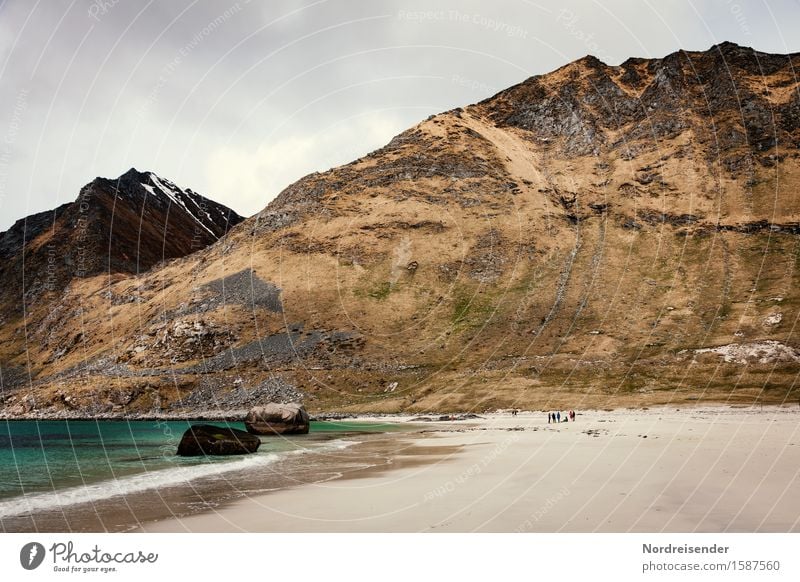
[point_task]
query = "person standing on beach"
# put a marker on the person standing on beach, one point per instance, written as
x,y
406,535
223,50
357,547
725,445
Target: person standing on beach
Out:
x,y
558,416
549,417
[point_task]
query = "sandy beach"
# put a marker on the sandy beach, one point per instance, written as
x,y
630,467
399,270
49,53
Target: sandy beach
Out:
x,y
718,469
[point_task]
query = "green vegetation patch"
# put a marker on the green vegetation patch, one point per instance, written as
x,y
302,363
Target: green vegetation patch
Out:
x,y
470,308
380,291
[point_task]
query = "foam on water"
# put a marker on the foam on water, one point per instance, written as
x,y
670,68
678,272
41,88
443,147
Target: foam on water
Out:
x,y
162,478
129,484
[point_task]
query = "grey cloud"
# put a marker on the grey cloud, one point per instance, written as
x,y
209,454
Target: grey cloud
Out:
x,y
238,99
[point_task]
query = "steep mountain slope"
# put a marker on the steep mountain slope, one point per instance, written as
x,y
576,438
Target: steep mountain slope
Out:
x,y
596,236
115,228
125,225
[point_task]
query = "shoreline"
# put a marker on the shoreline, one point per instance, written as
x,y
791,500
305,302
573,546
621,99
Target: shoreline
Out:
x,y
238,415
183,488
518,472
670,469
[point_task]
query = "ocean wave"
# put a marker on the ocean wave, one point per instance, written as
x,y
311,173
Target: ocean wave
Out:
x,y
161,478
336,445
343,444
126,485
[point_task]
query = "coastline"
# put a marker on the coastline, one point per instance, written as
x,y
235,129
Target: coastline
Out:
x,y
705,469
125,500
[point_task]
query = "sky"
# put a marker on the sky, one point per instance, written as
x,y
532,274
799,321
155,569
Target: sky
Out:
x,y
238,99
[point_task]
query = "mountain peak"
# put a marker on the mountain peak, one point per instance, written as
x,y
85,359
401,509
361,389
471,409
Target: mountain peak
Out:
x,y
132,173
131,181
587,106
591,61
123,225
727,46
149,188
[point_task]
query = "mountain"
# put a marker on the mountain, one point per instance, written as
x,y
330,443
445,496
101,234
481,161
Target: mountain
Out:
x,y
121,226
596,236
114,229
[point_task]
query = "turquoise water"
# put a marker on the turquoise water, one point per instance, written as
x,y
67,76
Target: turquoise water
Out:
x,y
49,464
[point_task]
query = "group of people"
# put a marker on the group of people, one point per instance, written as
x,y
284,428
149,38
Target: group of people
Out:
x,y
556,417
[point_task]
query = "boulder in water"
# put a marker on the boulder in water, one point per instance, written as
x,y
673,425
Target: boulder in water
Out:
x,y
277,419
206,439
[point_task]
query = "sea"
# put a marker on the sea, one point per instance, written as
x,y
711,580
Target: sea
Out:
x,y
115,475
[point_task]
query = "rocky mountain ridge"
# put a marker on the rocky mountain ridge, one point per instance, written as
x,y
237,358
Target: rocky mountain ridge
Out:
x,y
121,226
595,236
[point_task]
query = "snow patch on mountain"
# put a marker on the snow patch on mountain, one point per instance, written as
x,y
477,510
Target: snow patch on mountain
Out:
x,y
179,197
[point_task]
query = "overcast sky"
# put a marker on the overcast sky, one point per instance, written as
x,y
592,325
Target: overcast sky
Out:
x,y
238,99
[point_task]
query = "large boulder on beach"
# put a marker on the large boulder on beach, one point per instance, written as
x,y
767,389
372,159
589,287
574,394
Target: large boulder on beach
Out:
x,y
277,419
206,439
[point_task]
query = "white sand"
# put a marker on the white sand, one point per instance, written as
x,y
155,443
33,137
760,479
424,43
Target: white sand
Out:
x,y
708,470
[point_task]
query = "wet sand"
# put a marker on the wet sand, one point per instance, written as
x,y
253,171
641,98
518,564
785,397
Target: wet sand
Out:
x,y
365,454
660,470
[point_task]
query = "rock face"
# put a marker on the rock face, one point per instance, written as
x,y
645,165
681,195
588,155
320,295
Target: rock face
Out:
x,y
277,419
207,439
122,225
579,234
